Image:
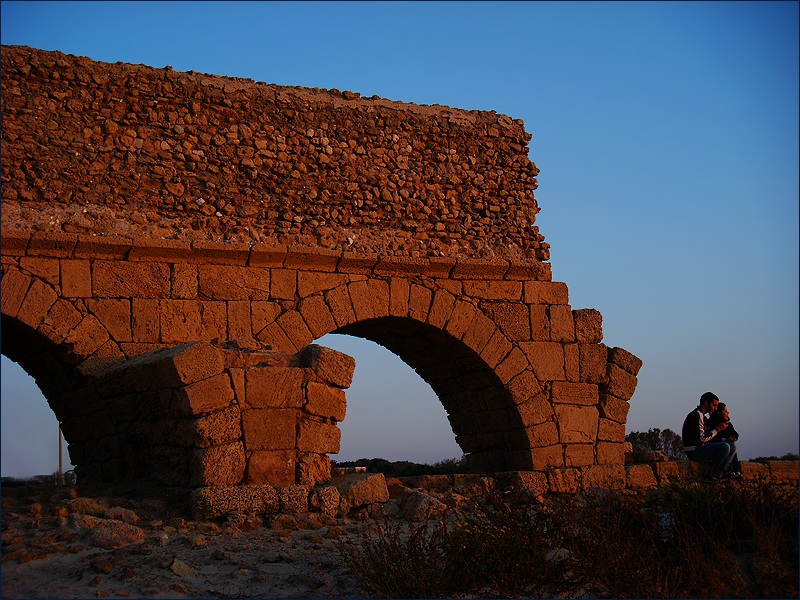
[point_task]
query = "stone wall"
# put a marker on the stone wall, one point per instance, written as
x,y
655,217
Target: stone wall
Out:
x,y
138,151
203,414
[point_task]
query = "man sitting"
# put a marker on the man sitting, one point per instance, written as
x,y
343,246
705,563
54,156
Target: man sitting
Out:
x,y
697,440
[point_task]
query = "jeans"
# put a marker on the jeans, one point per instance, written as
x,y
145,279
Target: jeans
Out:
x,y
721,454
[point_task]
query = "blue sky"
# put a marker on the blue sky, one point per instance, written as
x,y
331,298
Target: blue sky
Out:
x,y
667,138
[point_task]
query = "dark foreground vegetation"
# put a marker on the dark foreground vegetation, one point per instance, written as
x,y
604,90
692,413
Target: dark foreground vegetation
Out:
x,y
684,541
405,468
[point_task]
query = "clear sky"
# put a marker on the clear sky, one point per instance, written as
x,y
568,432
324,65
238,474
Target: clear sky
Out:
x,y
667,138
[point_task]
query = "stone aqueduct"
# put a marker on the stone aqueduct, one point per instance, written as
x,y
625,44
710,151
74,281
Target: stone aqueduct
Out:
x,y
174,243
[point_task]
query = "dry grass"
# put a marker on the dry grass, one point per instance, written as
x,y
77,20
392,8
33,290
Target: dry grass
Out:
x,y
684,541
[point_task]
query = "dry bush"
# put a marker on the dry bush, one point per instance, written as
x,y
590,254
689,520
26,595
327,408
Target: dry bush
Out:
x,y
683,541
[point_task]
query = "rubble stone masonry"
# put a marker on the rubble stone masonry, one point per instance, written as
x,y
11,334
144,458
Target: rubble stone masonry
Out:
x,y
149,216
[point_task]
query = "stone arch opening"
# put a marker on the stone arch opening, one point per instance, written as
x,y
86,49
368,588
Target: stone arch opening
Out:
x,y
392,413
29,426
482,414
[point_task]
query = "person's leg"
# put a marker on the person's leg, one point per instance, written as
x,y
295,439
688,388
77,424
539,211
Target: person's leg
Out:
x,y
733,465
717,453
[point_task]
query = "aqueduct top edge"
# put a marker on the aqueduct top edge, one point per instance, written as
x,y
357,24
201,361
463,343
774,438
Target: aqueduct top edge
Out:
x,y
138,152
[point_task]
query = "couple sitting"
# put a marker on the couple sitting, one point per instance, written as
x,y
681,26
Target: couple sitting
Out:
x,y
709,436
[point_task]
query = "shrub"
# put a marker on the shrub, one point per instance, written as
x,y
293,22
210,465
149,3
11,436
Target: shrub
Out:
x,y
687,540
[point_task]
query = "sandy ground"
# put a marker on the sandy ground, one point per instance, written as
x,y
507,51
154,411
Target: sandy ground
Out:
x,y
53,548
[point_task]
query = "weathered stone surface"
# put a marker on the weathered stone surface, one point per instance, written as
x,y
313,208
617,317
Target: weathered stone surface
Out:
x,y
359,490
640,476
588,325
325,401
107,533
620,383
331,366
313,469
625,360
275,388
419,506
293,499
212,502
315,436
577,424
205,396
219,465
609,477
274,467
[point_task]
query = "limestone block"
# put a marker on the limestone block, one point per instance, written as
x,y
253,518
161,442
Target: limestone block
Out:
x,y
640,476
76,279
609,453
613,408
493,290
525,387
325,499
360,489
441,308
611,431
478,269
211,502
625,360
311,282
184,283
546,292
593,359
313,469
293,499
218,465
572,369
179,321
145,320
87,337
338,300
205,396
588,325
512,318
532,484
14,287
562,326
496,349
564,481
38,302
295,328
317,316
479,332
274,467
239,321
575,393
196,361
461,320
608,477
60,320
543,434
398,297
512,365
419,302
668,472
325,401
370,298
546,359
547,457
116,279
536,410
322,438
115,315
331,366
269,429
578,455
227,282
211,430
419,506
577,424
620,383
540,323
274,387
